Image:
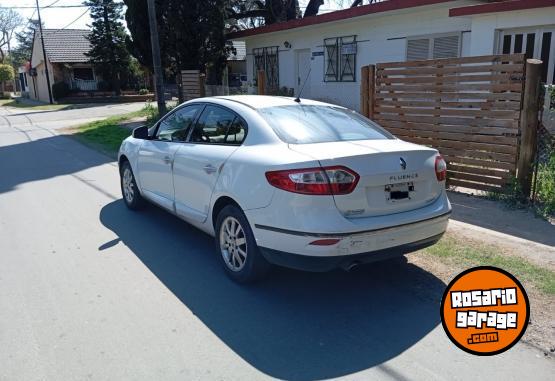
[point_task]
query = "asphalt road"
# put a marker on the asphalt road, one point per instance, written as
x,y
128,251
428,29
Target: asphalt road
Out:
x,y
90,290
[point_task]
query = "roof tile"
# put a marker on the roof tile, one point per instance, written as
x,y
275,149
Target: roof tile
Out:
x,y
66,45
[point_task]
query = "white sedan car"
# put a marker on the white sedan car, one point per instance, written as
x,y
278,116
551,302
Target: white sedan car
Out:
x,y
295,183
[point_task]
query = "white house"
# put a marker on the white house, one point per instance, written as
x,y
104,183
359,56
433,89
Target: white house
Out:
x,y
67,62
328,50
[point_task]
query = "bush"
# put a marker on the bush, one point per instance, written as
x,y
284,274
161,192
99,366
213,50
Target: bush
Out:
x,y
511,195
151,113
60,90
546,187
104,86
143,91
6,73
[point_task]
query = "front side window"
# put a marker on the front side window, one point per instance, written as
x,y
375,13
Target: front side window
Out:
x,y
340,59
175,127
301,124
218,125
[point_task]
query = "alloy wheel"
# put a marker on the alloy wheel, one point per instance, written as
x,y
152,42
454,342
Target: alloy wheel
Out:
x,y
127,182
233,244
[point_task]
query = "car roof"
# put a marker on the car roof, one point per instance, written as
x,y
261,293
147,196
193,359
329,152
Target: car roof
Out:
x,y
264,101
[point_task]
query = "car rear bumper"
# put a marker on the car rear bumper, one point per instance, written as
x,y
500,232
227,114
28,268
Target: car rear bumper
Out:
x,y
294,248
327,263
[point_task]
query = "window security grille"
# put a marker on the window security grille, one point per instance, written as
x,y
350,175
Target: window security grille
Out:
x,y
340,59
267,59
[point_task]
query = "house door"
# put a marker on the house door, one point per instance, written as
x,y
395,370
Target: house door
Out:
x,y
302,72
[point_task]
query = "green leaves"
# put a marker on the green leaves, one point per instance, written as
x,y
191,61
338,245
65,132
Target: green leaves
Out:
x,y
6,72
108,52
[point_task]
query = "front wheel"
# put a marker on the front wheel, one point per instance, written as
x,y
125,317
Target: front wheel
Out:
x,y
241,258
131,196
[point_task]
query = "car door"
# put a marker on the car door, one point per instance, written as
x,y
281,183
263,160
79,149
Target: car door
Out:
x,y
155,158
198,163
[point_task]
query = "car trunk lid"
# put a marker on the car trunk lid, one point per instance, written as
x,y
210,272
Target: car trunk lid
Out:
x,y
395,176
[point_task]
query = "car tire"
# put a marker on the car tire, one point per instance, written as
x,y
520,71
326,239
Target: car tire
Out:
x,y
239,254
129,190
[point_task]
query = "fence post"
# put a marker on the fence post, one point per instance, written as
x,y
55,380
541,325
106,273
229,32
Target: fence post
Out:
x,y
364,91
529,124
261,82
202,83
371,90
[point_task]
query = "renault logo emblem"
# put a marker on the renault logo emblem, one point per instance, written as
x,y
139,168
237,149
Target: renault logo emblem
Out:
x,y
403,163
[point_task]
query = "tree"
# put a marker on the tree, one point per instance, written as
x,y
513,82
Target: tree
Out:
x,y
271,11
10,20
6,74
244,14
22,52
108,52
191,34
313,7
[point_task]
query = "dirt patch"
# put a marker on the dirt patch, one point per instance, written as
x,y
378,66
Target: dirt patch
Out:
x,y
541,330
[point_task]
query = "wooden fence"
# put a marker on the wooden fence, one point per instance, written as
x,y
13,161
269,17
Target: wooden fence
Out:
x,y
468,108
192,82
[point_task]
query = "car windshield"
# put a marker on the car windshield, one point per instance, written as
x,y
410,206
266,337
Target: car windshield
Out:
x,y
302,124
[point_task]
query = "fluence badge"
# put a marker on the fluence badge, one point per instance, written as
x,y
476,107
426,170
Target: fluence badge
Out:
x,y
485,311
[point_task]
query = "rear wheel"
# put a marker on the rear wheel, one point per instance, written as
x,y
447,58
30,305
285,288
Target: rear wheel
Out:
x,y
131,196
241,258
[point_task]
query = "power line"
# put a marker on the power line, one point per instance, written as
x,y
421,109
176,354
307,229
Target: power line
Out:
x,y
49,6
71,23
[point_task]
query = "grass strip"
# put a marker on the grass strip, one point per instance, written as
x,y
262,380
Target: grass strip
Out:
x,y
107,134
453,251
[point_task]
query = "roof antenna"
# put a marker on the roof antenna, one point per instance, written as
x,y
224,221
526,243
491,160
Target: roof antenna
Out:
x,y
298,99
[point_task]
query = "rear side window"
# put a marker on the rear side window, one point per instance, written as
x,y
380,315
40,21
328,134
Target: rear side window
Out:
x,y
217,125
237,131
301,124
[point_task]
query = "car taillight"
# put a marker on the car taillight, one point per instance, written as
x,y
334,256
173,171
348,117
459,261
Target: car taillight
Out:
x,y
315,181
441,168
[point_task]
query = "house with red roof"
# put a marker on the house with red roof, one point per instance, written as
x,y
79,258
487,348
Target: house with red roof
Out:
x,y
325,53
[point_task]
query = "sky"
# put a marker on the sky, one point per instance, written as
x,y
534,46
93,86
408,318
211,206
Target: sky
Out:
x,y
54,17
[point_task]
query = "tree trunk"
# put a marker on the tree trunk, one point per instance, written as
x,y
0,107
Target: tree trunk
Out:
x,y
313,7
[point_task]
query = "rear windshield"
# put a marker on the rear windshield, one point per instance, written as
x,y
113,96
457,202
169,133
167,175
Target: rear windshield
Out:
x,y
301,124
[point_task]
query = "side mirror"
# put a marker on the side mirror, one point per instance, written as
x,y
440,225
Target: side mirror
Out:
x,y
141,133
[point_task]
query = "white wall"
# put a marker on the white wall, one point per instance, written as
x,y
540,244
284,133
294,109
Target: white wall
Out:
x,y
381,38
38,88
484,27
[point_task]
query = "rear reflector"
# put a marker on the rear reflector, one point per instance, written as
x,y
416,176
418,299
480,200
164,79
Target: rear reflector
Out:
x,y
315,181
325,242
441,168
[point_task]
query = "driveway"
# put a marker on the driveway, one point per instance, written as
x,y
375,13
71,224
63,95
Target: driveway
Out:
x,y
90,290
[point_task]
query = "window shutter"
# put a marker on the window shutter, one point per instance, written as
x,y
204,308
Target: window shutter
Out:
x,y
418,49
446,47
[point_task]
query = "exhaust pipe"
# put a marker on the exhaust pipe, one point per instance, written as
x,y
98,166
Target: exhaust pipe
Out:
x,y
351,266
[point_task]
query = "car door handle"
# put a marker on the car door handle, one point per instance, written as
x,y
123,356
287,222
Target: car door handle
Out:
x,y
209,169
167,160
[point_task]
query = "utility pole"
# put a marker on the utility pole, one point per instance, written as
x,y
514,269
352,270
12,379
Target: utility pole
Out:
x,y
156,61
44,55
